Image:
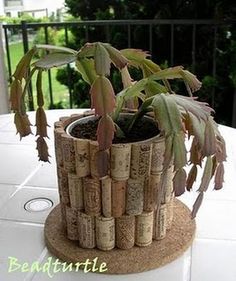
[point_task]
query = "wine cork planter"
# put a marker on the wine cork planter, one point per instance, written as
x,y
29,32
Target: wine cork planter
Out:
x,y
120,207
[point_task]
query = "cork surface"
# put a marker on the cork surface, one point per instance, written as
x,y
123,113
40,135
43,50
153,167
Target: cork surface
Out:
x,y
137,259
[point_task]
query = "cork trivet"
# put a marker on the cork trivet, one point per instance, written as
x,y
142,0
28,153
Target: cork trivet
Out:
x,y
63,215
68,152
161,222
76,191
82,157
86,230
105,233
140,160
118,189
176,242
71,220
158,149
120,161
151,186
125,232
92,196
63,186
134,197
58,145
169,213
143,229
106,197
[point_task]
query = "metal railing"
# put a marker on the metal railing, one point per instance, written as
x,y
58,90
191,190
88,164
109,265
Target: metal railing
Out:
x,y
128,26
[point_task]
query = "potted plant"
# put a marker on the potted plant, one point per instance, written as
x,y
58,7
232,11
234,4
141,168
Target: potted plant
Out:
x,y
121,165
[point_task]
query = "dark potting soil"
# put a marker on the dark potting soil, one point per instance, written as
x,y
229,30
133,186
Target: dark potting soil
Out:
x,y
142,129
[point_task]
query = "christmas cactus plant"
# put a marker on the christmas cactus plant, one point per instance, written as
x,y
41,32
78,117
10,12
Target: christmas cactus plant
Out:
x,y
178,116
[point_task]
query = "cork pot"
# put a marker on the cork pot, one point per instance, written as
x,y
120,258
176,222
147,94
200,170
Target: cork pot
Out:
x,y
116,205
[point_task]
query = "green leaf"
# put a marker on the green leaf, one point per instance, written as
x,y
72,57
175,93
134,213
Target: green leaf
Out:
x,y
149,67
152,88
103,96
102,60
86,51
167,114
133,90
54,60
23,66
56,48
86,68
196,128
179,151
135,56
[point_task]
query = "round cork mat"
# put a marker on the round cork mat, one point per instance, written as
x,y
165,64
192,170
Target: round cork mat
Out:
x,y
137,259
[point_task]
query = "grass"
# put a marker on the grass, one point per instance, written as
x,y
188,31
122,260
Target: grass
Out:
x,y
60,92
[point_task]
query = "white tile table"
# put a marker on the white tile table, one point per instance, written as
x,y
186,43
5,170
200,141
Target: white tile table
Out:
x,y
211,257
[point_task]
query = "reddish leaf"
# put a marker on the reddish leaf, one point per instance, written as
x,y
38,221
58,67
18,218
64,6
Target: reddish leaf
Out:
x,y
219,176
197,204
117,58
105,132
206,175
214,165
16,95
179,182
22,124
195,154
220,149
192,175
42,149
209,139
41,122
102,158
103,96
179,150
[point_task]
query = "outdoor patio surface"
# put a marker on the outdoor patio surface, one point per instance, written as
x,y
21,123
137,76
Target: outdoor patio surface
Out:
x,y
212,256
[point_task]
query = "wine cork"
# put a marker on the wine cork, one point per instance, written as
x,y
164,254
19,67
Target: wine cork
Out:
x,y
58,145
169,213
92,196
76,191
168,192
68,152
63,186
66,120
161,219
105,233
158,150
58,124
71,220
151,188
125,232
118,198
82,157
106,197
93,150
86,230
120,161
134,197
140,160
144,229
